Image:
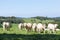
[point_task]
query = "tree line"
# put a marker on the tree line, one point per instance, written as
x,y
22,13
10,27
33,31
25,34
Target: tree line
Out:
x,y
37,19
14,19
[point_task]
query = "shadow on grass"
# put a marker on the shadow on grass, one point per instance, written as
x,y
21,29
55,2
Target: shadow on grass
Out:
x,y
29,37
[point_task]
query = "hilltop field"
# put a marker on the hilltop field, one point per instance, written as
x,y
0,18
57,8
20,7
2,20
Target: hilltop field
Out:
x,y
15,34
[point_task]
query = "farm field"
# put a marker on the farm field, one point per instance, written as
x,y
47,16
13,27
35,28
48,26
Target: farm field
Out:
x,y
15,34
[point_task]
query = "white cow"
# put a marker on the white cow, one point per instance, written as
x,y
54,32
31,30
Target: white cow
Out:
x,y
24,24
40,27
34,26
6,25
52,27
20,26
28,26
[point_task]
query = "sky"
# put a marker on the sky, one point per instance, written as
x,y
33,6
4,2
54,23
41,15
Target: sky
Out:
x,y
30,8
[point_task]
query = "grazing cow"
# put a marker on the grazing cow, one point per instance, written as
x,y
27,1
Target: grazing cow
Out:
x,y
34,26
52,27
28,26
6,25
40,27
20,26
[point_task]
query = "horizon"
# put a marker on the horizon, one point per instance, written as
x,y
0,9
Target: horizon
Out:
x,y
30,8
28,17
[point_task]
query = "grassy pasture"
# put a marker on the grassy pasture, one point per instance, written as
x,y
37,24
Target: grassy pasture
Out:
x,y
16,34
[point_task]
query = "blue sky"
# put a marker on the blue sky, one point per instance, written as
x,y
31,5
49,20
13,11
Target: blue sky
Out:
x,y
29,8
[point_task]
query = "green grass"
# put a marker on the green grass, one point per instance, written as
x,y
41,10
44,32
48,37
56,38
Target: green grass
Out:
x,y
15,34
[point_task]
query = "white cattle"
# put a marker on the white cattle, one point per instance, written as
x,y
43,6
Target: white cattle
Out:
x,y
20,26
40,27
34,26
6,25
52,27
28,26
24,24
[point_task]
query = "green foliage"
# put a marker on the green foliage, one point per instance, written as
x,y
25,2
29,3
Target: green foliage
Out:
x,y
11,19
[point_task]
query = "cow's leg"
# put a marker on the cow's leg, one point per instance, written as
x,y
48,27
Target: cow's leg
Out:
x,y
44,31
54,32
51,31
3,28
8,28
39,30
33,29
48,30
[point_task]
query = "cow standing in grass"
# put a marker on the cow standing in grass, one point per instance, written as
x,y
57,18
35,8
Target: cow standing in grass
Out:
x,y
20,26
40,27
24,25
6,25
34,27
52,27
28,27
